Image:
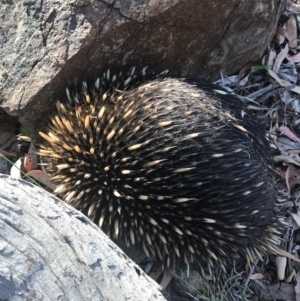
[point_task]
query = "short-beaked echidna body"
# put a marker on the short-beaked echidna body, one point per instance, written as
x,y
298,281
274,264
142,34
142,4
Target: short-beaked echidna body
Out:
x,y
177,166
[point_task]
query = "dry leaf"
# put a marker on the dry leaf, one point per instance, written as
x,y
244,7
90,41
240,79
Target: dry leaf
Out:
x,y
297,288
246,68
31,160
42,177
283,82
281,266
281,35
280,57
291,276
15,170
271,58
296,219
291,28
257,276
287,132
287,254
293,7
286,159
294,58
167,277
7,154
292,177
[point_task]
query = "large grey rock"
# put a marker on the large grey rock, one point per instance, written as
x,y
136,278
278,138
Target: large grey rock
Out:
x,y
50,251
46,43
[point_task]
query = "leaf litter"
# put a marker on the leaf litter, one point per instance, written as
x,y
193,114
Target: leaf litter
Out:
x,y
271,90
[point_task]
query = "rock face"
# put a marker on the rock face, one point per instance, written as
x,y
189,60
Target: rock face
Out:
x,y
50,251
46,43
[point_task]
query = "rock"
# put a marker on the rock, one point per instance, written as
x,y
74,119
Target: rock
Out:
x,y
47,43
50,251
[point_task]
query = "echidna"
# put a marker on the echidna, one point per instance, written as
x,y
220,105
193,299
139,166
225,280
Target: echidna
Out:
x,y
177,166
